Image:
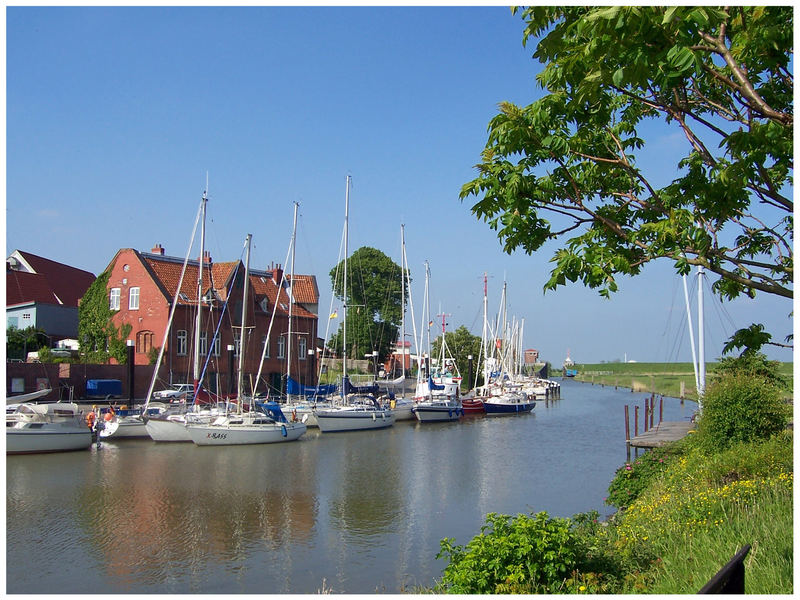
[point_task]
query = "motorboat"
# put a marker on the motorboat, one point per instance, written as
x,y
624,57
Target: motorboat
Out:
x,y
36,428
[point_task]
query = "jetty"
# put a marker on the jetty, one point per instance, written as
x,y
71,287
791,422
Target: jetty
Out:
x,y
663,433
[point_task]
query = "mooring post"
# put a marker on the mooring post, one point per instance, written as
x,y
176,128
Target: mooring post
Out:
x,y
646,412
627,425
635,421
652,411
661,410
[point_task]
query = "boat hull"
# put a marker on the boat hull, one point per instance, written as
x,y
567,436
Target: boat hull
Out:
x,y
402,409
335,420
239,435
126,427
46,439
167,430
507,408
428,414
472,407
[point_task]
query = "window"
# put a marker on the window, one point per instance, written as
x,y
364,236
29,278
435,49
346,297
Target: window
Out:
x,y
301,348
113,299
181,339
133,298
203,343
144,342
26,316
264,341
237,342
282,347
216,346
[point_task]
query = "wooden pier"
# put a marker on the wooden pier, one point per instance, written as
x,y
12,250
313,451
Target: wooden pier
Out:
x,y
663,433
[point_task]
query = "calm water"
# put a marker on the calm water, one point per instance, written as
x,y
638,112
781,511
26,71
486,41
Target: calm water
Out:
x,y
363,511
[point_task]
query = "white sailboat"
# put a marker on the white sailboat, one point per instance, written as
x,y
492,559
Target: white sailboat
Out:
x,y
169,425
437,395
252,426
356,410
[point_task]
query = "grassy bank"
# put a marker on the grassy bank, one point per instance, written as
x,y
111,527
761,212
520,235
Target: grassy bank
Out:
x,y
663,379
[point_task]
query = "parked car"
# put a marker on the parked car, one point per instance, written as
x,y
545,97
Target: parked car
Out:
x,y
177,392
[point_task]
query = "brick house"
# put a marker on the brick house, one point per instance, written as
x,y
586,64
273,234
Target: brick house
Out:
x,y
142,286
44,293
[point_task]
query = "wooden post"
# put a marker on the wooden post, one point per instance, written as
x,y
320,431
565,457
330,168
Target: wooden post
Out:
x,y
636,421
661,410
652,411
627,425
646,412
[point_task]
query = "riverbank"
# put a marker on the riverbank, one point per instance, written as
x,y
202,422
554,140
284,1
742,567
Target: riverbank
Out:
x,y
675,380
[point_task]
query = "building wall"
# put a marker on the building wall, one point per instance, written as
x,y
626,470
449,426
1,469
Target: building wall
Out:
x,y
152,317
22,316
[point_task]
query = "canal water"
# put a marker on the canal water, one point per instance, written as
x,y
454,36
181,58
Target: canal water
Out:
x,y
359,512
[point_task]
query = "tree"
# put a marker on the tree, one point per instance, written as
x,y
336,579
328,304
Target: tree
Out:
x,y
565,167
98,337
373,299
461,344
21,341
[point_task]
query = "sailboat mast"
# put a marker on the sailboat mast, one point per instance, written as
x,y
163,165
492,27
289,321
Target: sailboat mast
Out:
x,y
290,295
240,376
403,298
701,337
199,296
344,314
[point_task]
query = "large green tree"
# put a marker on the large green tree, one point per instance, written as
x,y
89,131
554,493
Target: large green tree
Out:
x,y
21,341
374,303
565,167
461,344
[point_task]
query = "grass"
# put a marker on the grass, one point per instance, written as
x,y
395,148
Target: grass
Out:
x,y
663,379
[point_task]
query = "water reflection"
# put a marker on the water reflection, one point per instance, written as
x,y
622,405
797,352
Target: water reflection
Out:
x,y
364,511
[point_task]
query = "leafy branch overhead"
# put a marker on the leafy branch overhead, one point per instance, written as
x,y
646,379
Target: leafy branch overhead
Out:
x,y
565,167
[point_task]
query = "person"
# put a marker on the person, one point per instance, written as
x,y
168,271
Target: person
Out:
x,y
91,417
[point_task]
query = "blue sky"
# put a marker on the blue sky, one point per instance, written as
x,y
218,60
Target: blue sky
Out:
x,y
115,116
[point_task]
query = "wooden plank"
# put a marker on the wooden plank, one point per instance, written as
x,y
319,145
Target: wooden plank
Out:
x,y
668,431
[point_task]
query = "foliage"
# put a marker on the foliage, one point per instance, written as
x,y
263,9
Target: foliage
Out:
x,y
373,299
567,164
524,554
98,337
461,343
21,341
740,408
752,364
152,355
631,479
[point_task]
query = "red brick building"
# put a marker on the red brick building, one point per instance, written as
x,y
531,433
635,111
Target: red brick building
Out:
x,y
143,285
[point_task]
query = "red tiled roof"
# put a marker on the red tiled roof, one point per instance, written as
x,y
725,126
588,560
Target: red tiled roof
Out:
x,y
67,283
23,287
304,289
264,286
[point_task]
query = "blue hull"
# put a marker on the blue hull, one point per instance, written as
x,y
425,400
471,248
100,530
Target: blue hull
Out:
x,y
507,409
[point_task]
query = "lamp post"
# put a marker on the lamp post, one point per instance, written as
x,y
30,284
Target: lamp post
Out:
x,y
230,370
375,363
469,381
311,367
131,361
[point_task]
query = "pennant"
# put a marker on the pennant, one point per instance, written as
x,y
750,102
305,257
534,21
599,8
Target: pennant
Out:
x,y
334,315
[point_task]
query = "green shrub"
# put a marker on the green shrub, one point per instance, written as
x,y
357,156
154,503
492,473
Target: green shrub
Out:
x,y
525,554
631,479
740,408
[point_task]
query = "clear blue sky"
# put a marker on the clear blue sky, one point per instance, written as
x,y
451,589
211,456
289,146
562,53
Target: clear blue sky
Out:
x,y
116,115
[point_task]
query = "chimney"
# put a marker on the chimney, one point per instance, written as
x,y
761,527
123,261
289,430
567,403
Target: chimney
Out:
x,y
206,257
157,249
277,274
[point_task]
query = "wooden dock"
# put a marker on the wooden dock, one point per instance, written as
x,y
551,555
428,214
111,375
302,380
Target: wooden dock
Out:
x,y
663,433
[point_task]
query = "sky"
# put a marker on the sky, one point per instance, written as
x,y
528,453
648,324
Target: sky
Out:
x,y
118,118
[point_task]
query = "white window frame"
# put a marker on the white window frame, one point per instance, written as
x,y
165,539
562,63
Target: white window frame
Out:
x,y
282,346
133,298
113,298
203,343
237,342
263,342
302,347
181,342
216,346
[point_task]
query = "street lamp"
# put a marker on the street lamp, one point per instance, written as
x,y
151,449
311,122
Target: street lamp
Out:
x,y
375,363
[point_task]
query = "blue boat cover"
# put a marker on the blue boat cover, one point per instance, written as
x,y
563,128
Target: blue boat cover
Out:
x,y
273,410
433,386
295,388
349,388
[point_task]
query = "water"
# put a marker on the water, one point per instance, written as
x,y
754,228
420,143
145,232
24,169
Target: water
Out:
x,y
362,512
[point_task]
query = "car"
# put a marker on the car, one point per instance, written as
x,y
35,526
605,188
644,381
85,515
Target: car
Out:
x,y
179,391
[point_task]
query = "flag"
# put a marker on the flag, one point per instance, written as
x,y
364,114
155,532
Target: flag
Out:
x,y
334,315
430,323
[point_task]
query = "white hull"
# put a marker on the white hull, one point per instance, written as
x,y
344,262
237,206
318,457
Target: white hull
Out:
x,y
124,427
431,412
402,409
303,412
168,429
32,438
353,419
240,434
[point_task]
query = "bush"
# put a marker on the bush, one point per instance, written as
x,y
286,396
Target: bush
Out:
x,y
740,408
526,554
631,479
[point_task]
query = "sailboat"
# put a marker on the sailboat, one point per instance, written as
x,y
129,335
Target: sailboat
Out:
x,y
437,394
169,425
471,403
302,410
357,408
253,426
